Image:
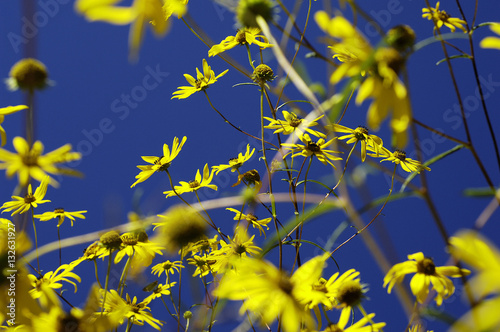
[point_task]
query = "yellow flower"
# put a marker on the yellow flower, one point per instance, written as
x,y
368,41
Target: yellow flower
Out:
x,y
178,7
441,17
364,324
350,46
270,293
141,13
246,36
168,267
205,245
483,256
235,163
345,291
159,291
139,249
23,204
61,214
388,93
30,163
492,42
44,286
426,273
293,124
5,111
159,163
399,158
311,148
418,328
203,265
360,134
201,82
196,184
250,177
252,219
483,317
238,246
138,313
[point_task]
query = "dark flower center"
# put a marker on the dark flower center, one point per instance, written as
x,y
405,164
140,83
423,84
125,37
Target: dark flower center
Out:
x,y
350,293
426,266
401,155
313,147
240,37
194,184
29,198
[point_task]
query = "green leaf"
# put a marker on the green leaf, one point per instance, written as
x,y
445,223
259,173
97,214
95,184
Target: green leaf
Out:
x,y
433,39
454,57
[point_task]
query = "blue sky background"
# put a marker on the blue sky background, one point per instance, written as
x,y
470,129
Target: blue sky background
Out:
x,y
87,107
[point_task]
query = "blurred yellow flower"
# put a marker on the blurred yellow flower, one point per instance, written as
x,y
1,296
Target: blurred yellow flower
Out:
x,y
235,163
23,204
492,42
440,17
30,163
252,219
159,164
198,183
5,111
44,286
246,36
141,13
350,47
201,82
365,324
426,273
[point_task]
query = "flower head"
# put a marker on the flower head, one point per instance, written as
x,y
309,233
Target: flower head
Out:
x,y
245,36
61,214
137,312
44,286
262,74
426,273
23,204
360,134
139,248
158,291
235,163
248,10
364,324
311,148
492,42
201,82
399,158
252,219
139,15
168,267
30,163
161,163
293,124
28,74
3,112
198,183
350,47
440,18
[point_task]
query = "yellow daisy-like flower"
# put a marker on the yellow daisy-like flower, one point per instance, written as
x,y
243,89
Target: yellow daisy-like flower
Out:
x,y
201,82
23,204
168,267
140,14
399,158
440,17
252,219
203,265
418,328
345,291
6,111
350,47
270,293
294,124
363,325
196,184
492,42
311,148
159,291
246,36
360,134
137,246
171,7
159,164
130,309
426,273
30,163
44,286
61,214
235,163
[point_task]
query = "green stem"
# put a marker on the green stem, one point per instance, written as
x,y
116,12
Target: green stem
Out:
x,y
106,283
123,277
36,238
